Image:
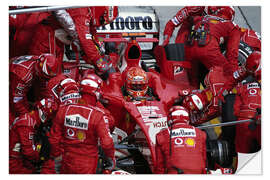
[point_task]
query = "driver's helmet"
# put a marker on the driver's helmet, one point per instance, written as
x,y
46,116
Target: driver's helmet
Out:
x,y
225,12
46,109
47,66
136,82
253,64
178,114
103,15
194,103
91,84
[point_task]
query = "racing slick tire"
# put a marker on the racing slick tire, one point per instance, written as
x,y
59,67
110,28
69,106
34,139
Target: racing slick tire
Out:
x,y
218,152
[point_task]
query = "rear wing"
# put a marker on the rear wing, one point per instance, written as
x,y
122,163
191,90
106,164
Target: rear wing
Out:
x,y
134,20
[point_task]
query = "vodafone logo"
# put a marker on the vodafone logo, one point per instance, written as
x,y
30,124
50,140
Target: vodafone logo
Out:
x,y
252,91
178,141
70,132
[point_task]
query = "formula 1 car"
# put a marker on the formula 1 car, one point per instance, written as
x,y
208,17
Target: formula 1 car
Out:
x,y
138,121
135,35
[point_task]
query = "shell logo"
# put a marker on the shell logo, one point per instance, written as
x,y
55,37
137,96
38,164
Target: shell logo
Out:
x,y
81,135
213,21
190,142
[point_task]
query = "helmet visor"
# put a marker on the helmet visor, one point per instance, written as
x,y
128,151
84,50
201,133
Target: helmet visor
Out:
x,y
138,87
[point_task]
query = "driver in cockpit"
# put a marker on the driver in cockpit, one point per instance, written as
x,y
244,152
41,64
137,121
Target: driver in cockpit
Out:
x,y
136,86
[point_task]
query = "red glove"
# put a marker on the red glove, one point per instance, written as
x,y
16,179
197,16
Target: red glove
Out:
x,y
104,64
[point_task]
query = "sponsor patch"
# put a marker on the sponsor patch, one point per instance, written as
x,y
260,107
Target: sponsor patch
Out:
x,y
190,142
252,91
149,111
178,141
213,21
130,23
184,132
70,96
160,123
253,85
81,135
76,121
70,132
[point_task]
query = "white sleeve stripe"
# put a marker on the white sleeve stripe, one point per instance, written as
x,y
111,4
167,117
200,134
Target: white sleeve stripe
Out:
x,y
175,21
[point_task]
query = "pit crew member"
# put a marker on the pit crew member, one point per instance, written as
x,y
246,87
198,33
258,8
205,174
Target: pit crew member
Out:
x,y
91,87
79,26
21,30
248,100
77,127
207,33
26,152
181,18
181,148
27,72
204,105
136,85
251,37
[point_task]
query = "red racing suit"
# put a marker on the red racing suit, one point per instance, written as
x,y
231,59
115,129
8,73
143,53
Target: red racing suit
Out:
x,y
248,99
181,18
23,76
78,127
22,29
252,38
218,83
23,151
214,82
188,150
86,40
74,27
212,31
45,39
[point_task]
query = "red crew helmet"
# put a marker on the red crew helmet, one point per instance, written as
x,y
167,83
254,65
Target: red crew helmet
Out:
x,y
194,102
253,64
91,84
47,65
178,114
